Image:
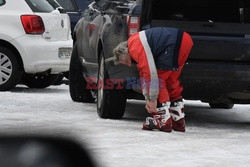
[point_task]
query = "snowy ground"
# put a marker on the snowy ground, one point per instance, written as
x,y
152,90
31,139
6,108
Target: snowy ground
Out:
x,y
213,137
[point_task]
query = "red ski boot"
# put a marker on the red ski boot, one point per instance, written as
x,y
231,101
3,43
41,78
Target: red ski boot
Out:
x,y
160,120
177,115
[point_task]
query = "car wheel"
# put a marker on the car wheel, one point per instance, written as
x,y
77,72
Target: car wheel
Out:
x,y
39,81
77,83
221,105
111,103
10,71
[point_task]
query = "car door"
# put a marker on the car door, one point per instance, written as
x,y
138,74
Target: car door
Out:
x,y
87,32
94,29
103,33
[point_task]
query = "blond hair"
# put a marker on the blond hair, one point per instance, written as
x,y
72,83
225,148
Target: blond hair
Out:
x,y
120,50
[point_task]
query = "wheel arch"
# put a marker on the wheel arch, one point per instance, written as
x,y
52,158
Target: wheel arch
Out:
x,y
13,48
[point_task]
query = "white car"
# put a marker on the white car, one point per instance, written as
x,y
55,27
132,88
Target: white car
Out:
x,y
35,43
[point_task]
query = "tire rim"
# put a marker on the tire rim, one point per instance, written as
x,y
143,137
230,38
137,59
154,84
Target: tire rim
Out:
x,y
5,68
100,80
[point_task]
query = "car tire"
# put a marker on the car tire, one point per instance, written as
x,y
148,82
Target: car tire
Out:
x,y
111,103
39,81
77,82
221,105
10,70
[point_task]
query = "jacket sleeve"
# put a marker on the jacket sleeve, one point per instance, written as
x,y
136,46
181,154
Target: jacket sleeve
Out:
x,y
141,53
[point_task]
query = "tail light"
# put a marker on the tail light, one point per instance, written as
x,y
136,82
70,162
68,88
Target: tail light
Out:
x,y
32,24
133,25
91,29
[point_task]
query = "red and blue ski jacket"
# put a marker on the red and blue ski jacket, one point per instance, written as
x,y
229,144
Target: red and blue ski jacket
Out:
x,y
152,49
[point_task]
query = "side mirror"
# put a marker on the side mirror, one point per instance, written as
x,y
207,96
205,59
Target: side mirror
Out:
x,y
42,152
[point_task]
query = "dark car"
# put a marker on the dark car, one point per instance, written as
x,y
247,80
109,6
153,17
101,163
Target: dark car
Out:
x,y
74,8
217,71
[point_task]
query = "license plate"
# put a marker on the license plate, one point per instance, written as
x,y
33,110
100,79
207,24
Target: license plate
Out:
x,y
64,53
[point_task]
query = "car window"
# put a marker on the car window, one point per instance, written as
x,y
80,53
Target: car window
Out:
x,y
68,5
43,6
2,2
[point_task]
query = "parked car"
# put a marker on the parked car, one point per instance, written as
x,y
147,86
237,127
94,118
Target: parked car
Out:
x,y
74,8
217,70
35,43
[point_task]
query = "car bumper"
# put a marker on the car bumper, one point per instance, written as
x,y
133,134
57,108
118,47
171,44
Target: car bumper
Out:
x,y
210,80
40,55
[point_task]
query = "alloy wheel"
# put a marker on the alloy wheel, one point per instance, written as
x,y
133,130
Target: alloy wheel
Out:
x,y
5,68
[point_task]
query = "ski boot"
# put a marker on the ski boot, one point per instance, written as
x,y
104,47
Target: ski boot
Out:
x,y
160,120
177,115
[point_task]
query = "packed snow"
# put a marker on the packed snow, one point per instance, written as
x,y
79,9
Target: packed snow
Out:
x,y
214,137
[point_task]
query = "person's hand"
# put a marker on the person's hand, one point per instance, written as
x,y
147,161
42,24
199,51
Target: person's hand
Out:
x,y
151,106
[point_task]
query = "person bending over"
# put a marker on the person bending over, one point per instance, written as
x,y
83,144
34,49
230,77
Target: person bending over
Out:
x,y
160,54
